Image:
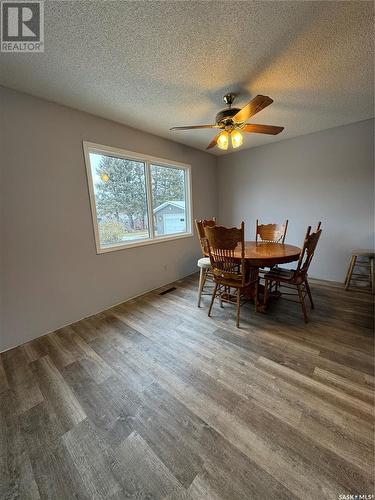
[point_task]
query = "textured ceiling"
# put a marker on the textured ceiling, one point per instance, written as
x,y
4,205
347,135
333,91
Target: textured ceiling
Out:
x,y
152,64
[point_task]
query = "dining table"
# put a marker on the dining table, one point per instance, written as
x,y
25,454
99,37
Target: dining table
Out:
x,y
262,254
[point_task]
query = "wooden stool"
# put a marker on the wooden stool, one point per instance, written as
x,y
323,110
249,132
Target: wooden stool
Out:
x,y
369,264
204,265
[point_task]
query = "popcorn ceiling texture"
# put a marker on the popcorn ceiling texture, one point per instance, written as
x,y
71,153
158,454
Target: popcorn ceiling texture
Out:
x,y
155,64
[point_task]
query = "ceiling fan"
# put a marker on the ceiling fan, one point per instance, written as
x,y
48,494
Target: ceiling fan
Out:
x,y
231,122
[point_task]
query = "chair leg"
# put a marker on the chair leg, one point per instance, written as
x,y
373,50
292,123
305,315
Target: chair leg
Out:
x,y
266,292
350,271
302,300
238,307
212,299
309,293
372,275
202,281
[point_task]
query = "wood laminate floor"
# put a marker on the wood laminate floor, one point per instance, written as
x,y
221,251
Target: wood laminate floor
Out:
x,y
153,399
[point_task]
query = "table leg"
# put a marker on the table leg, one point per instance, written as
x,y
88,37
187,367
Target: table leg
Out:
x,y
252,291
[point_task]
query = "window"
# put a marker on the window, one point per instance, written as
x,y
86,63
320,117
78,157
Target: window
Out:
x,y
136,199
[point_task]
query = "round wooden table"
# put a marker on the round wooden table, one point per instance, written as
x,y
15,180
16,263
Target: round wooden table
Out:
x,y
263,254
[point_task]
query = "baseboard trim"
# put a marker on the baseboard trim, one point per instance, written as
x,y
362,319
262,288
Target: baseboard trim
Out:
x,y
318,281
101,310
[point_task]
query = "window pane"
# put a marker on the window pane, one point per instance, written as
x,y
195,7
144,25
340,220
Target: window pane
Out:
x,y
120,198
169,200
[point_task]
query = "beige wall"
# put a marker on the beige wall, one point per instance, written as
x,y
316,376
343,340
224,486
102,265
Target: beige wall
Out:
x,y
327,176
50,272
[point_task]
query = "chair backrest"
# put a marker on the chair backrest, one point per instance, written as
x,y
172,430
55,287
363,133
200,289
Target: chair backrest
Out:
x,y
200,225
226,262
271,233
308,250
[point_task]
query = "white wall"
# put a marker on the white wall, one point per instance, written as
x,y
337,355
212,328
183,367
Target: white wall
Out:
x,y
50,272
325,176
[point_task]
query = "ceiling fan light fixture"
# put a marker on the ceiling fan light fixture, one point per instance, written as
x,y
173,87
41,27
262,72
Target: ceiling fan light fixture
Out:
x,y
232,122
236,138
223,140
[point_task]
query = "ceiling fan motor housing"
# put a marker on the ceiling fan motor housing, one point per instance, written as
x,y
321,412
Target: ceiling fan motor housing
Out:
x,y
225,115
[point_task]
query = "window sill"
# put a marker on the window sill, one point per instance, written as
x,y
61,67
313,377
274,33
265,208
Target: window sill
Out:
x,y
142,243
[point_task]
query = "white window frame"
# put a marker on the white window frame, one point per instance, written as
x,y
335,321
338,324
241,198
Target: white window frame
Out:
x,y
90,147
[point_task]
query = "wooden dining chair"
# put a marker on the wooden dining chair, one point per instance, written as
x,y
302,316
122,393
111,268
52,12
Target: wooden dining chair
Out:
x,y
228,266
203,263
271,233
296,278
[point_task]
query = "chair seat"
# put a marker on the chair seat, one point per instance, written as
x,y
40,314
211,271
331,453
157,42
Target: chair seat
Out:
x,y
281,274
232,283
363,253
204,263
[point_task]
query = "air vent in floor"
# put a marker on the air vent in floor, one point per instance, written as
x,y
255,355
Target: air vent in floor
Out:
x,y
169,290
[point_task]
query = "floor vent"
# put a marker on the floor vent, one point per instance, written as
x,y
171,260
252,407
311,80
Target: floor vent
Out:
x,y
169,290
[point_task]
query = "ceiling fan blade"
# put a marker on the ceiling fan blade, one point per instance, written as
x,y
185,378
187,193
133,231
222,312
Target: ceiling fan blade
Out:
x,y
262,129
213,142
254,106
193,127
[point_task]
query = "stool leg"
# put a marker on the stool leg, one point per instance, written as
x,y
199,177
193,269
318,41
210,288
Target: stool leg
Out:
x,y
372,276
350,271
202,279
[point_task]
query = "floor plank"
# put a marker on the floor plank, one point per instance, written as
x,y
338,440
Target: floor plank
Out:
x,y
21,380
17,479
57,393
92,460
